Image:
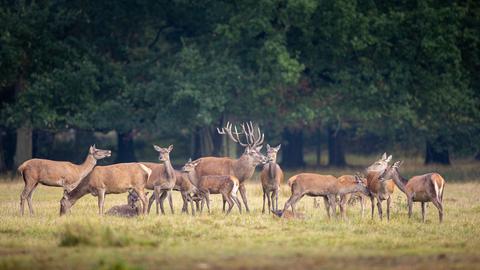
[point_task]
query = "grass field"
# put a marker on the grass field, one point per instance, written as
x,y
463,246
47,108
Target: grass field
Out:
x,y
84,240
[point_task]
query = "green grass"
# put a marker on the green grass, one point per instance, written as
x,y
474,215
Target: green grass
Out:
x,y
84,240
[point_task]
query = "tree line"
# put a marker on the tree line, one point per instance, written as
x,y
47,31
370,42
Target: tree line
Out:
x,y
311,73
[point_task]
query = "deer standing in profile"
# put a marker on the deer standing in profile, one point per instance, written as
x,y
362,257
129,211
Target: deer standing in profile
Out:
x,y
163,178
272,177
56,174
420,188
112,179
326,186
227,185
380,190
243,167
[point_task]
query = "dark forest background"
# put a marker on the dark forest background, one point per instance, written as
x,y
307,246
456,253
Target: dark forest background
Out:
x,y
324,78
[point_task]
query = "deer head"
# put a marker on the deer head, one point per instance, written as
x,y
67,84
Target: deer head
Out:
x,y
390,172
164,153
99,153
133,198
380,165
272,152
190,165
254,140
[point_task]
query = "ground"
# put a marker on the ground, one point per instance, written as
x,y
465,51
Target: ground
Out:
x,y
84,240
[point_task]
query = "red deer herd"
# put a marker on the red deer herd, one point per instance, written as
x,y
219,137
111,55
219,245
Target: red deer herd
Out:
x,y
200,178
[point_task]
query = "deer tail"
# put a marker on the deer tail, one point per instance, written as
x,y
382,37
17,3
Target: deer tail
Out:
x,y
235,187
21,168
291,180
147,170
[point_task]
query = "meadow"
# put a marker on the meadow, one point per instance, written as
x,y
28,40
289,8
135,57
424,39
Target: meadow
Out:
x,y
84,240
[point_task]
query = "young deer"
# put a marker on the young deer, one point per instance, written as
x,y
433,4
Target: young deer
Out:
x,y
326,186
227,185
271,176
163,178
243,167
56,174
421,188
113,179
288,214
186,189
381,190
131,209
347,198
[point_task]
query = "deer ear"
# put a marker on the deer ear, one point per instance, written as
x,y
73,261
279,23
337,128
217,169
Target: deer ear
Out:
x,y
384,156
278,147
259,148
389,158
189,160
268,146
157,148
170,148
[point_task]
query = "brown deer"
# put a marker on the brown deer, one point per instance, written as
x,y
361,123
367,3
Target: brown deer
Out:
x,y
421,188
271,176
163,178
243,167
227,185
347,198
131,209
380,190
288,214
186,189
326,186
112,179
55,174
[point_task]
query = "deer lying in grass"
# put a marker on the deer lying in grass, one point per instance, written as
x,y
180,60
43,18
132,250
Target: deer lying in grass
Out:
x,y
326,186
348,198
186,189
56,174
131,209
271,176
112,179
227,185
243,167
288,214
421,188
162,179
381,190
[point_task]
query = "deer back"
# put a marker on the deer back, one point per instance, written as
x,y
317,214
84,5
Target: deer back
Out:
x,y
118,178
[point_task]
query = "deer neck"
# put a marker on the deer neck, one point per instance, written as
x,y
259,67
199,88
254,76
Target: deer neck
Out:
x,y
169,170
87,166
81,190
243,168
192,176
272,169
345,189
400,182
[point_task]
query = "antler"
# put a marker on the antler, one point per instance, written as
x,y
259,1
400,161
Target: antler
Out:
x,y
228,130
253,140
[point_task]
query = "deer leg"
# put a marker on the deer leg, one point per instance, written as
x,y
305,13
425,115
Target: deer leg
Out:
x,y
101,201
372,203
230,202
272,196
161,199
333,204
143,199
150,202
423,212
269,201
263,208
243,192
156,193
315,203
379,206
389,201
362,205
207,198
27,190
342,205
224,201
327,206
192,205
410,207
439,206
185,201
294,202
170,200
276,200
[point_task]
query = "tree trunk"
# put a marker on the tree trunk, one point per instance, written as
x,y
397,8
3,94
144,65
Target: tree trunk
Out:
x,y
23,149
336,151
126,147
318,148
477,156
292,153
42,144
437,152
196,144
216,142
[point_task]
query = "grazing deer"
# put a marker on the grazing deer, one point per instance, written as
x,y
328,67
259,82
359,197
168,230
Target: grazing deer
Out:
x,y
421,188
56,174
243,167
112,179
227,185
271,176
347,198
326,186
131,209
381,190
186,189
163,178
